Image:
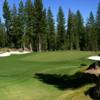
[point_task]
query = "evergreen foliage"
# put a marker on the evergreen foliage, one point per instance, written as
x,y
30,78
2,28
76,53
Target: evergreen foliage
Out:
x,y
50,31
31,26
60,29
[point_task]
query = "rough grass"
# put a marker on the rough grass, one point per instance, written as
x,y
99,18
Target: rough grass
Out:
x,y
18,82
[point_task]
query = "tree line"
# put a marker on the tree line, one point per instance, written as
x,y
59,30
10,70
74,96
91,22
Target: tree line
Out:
x,y
32,26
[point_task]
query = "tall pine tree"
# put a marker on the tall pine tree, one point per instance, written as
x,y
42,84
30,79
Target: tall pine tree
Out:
x,y
21,16
38,23
98,25
80,30
75,37
69,35
29,23
50,30
91,33
60,30
7,17
13,34
44,31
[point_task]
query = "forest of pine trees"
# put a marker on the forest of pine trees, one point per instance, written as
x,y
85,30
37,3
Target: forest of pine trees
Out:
x,y
32,26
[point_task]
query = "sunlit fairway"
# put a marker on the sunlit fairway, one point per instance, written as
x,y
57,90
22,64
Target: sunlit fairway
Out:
x,y
18,79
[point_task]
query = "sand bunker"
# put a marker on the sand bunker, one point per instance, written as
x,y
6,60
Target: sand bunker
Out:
x,y
6,54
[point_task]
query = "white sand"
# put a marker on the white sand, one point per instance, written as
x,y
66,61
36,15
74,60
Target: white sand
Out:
x,y
94,58
6,54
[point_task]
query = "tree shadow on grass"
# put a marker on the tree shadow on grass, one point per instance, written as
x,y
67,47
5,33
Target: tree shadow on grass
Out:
x,y
91,92
94,92
66,81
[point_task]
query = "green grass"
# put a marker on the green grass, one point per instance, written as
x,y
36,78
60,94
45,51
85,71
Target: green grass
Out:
x,y
17,81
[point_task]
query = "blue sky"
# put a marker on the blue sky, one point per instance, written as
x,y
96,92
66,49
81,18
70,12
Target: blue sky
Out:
x,y
85,6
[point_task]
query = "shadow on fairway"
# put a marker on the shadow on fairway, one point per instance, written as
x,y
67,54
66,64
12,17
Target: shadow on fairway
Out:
x,y
94,92
66,81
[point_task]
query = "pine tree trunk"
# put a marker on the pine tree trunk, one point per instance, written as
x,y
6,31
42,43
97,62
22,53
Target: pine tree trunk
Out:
x,y
23,46
30,47
71,46
40,46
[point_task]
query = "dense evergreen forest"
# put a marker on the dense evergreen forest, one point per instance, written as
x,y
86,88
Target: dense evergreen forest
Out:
x,y
32,26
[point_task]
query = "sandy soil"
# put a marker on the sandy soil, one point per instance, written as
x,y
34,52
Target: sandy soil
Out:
x,y
93,71
6,54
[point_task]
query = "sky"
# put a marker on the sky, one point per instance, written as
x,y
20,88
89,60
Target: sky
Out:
x,y
85,6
